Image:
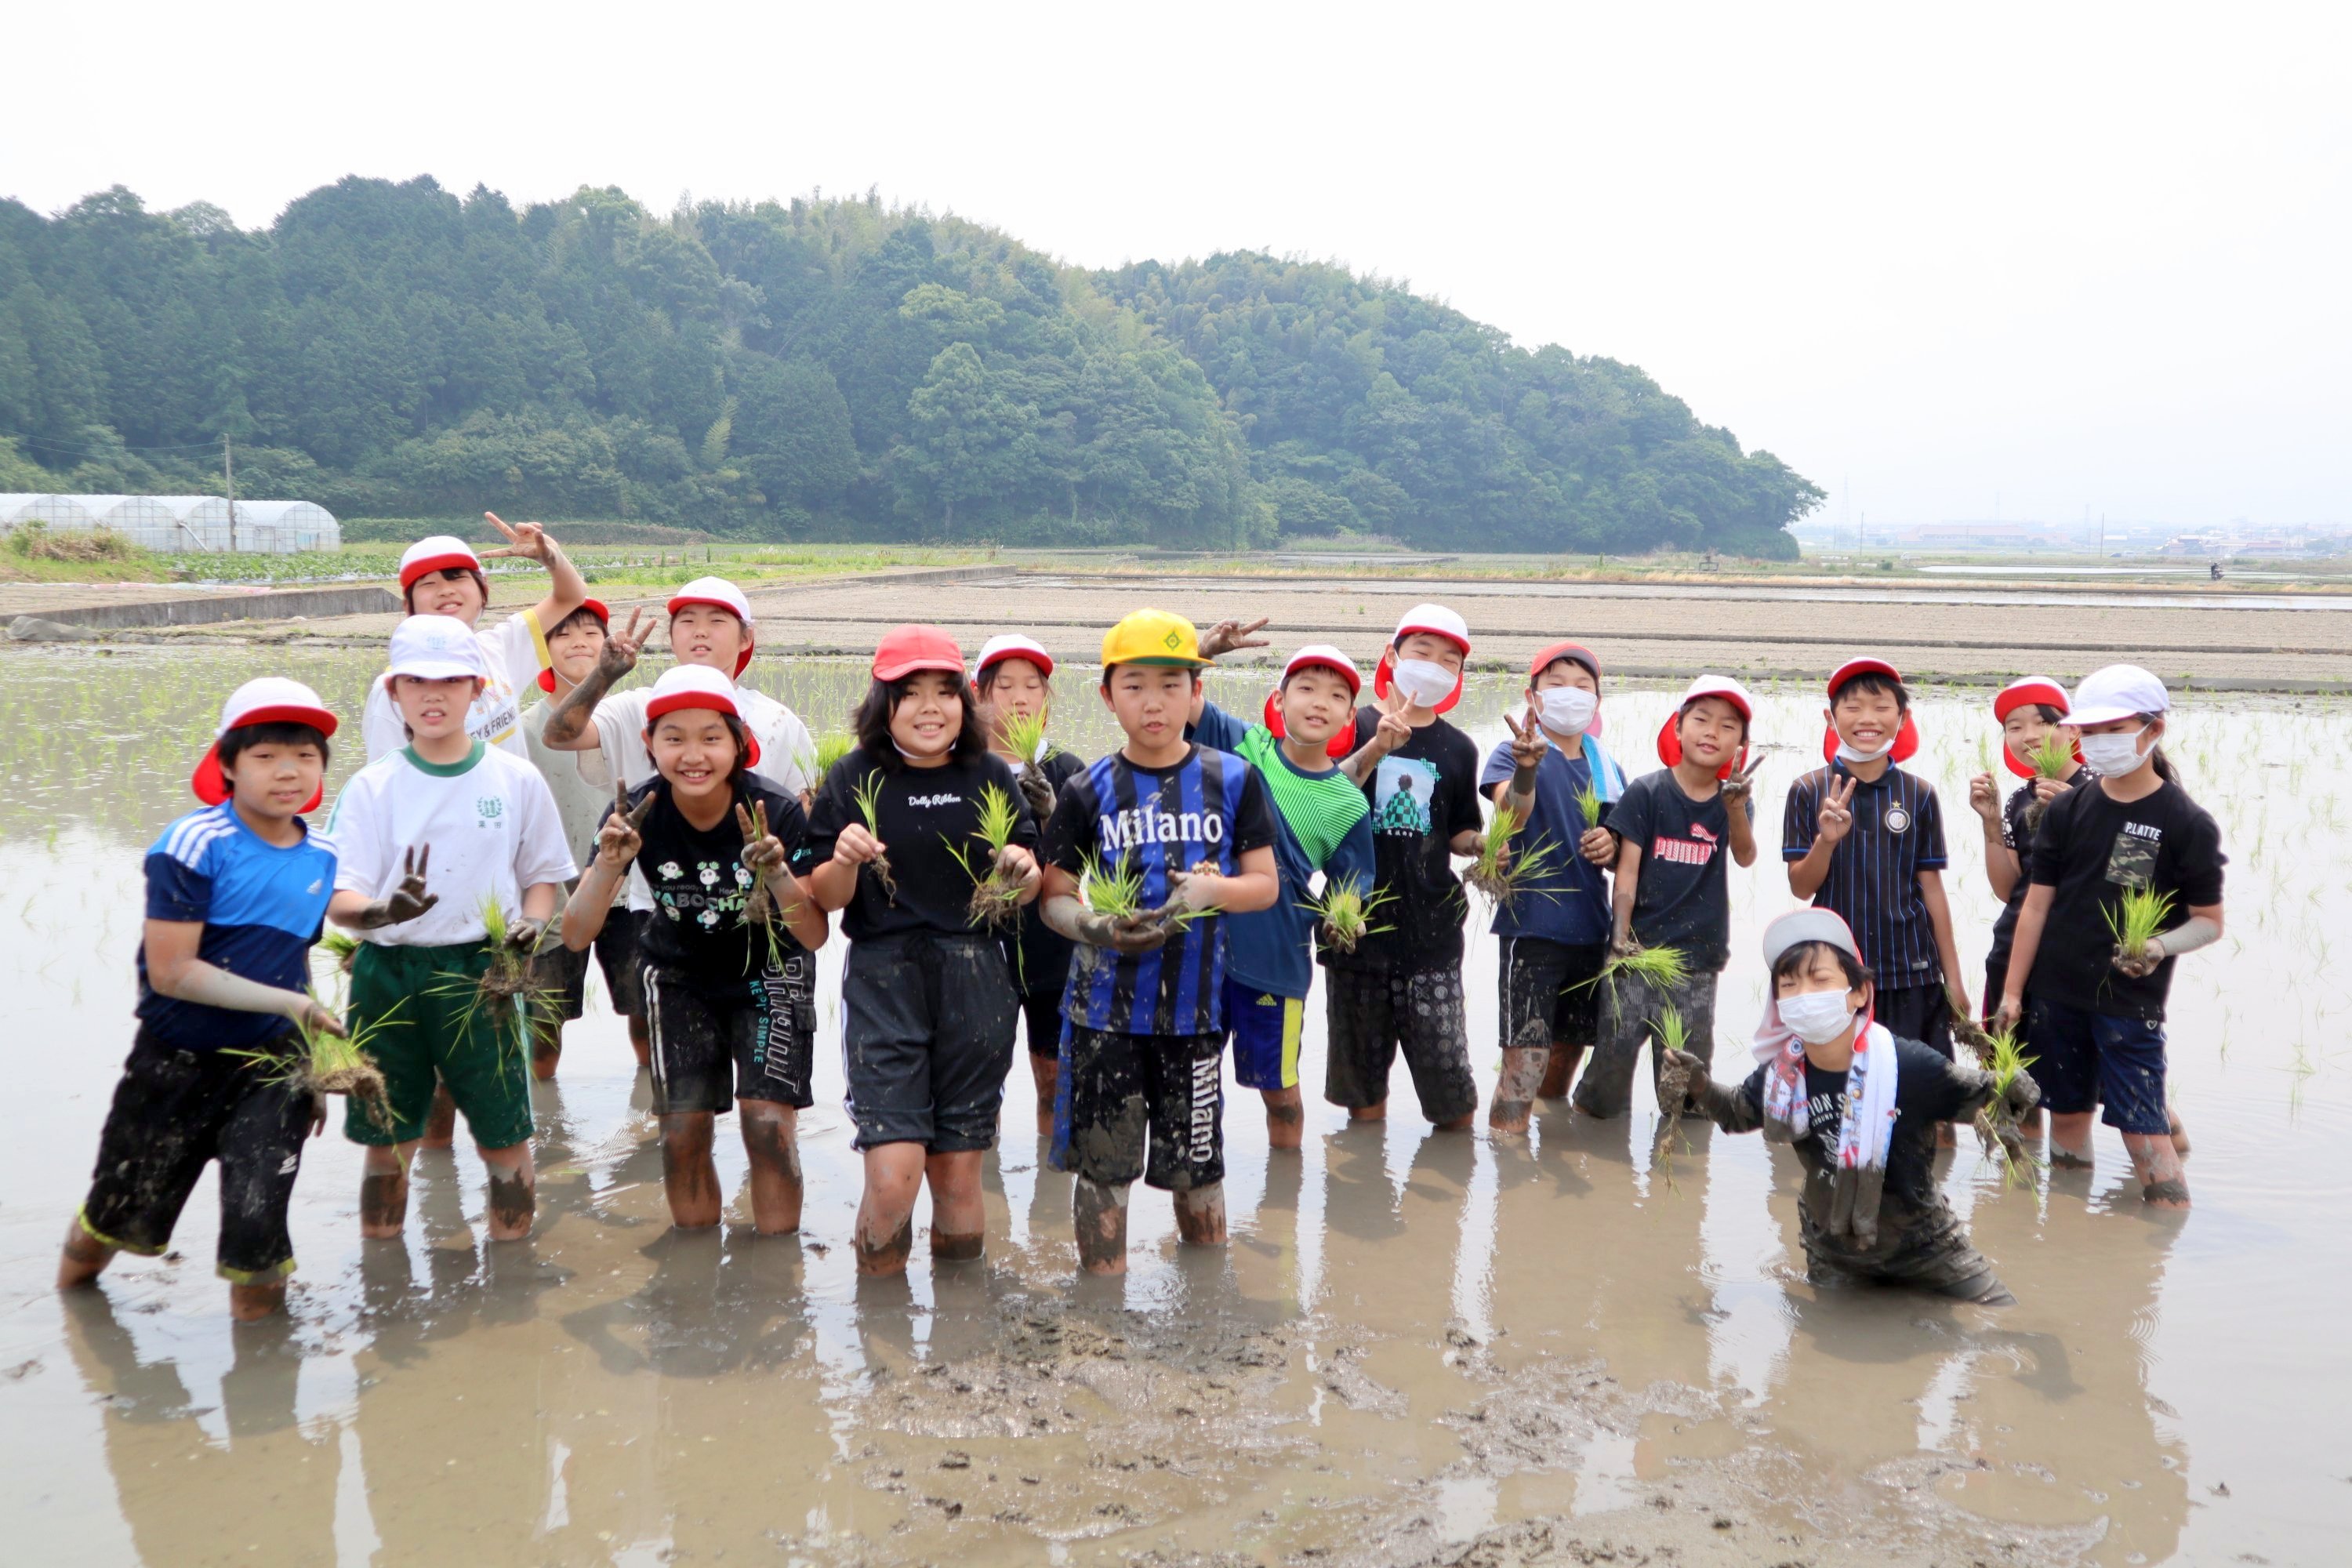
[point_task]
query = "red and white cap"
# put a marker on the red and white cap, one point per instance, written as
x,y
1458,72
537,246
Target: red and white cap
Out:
x,y
1012,645
604,617
1670,741
2118,691
904,651
1437,621
2039,690
1546,657
436,648
272,700
719,592
699,685
442,552
1313,656
1907,736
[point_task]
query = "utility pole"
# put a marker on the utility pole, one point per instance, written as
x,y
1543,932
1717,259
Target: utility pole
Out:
x,y
2102,536
228,472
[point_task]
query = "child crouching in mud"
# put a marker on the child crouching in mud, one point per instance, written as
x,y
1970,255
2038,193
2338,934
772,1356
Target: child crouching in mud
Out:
x,y
728,981
217,1070
1861,1108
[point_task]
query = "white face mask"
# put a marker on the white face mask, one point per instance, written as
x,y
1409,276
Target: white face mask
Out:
x,y
1848,753
2113,756
1567,709
1427,683
1816,1018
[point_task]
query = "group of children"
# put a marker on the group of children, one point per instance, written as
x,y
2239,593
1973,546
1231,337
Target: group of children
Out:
x,y
1135,916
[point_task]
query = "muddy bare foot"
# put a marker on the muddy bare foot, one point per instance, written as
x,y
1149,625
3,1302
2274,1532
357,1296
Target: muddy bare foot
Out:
x,y
1200,1216
383,1204
886,1254
949,1247
1286,1119
1099,1214
1369,1113
83,1259
514,1203
251,1304
2064,1159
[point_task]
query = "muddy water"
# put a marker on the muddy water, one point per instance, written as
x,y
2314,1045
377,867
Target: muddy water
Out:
x,y
1415,1345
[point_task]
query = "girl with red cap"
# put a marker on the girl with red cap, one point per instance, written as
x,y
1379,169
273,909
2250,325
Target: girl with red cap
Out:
x,y
443,575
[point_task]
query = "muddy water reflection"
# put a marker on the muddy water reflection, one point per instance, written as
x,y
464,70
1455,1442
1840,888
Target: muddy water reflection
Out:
x,y
1416,1338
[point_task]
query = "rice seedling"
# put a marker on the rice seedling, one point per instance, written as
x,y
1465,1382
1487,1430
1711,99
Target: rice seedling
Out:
x,y
1117,891
1672,1036
869,791
1496,868
328,1063
1346,912
518,1004
2135,920
342,947
1663,968
831,747
1588,803
1997,1052
996,897
2051,756
1025,737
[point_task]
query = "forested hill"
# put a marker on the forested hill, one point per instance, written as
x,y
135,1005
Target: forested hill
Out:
x,y
829,368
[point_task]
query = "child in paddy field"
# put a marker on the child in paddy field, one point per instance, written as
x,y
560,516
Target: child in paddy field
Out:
x,y
582,787
927,993
1670,890
1402,989
1322,823
1013,678
482,824
1859,1106
2028,711
234,895
2098,1014
733,1015
443,577
1142,1087
1866,839
1555,930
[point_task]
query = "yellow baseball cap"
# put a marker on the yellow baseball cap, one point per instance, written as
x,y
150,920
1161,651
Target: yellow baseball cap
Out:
x,y
1153,636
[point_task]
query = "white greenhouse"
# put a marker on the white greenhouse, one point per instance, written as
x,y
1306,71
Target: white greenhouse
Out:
x,y
182,523
66,514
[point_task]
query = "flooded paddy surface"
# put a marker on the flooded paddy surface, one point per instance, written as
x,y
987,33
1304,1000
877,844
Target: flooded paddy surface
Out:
x,y
1419,1347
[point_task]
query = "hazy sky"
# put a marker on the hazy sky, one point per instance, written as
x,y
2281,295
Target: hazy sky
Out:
x,y
2064,256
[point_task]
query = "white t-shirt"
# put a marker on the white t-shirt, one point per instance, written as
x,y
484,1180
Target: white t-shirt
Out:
x,y
492,825
579,780
516,651
787,753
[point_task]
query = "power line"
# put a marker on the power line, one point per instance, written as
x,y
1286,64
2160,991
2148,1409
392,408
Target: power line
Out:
x,y
60,447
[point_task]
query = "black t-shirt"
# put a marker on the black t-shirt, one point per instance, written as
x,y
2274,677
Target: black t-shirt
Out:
x,y
1040,956
1682,896
2015,835
2090,847
1422,793
924,815
698,882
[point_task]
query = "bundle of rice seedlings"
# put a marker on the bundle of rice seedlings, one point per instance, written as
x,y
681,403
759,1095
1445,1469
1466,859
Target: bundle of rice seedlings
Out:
x,y
1346,912
1497,868
342,947
1663,967
2136,920
2049,760
1025,737
1997,1052
869,792
1115,892
1673,1034
995,898
1588,803
328,1063
518,1004
831,747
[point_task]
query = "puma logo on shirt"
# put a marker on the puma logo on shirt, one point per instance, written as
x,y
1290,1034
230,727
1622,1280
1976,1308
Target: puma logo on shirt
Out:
x,y
1686,851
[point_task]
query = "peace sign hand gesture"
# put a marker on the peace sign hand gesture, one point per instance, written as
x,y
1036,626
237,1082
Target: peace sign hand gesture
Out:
x,y
617,841
1394,729
619,655
406,901
1739,783
525,540
1528,742
1229,635
1836,819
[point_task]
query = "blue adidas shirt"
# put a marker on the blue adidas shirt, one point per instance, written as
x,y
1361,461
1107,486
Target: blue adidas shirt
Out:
x,y
262,908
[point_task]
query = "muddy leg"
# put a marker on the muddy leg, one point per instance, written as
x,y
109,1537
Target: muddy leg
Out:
x,y
514,1191
2069,1140
1559,1070
959,1223
546,1048
1200,1216
641,1040
1099,1214
2179,1132
85,1256
250,1303
689,1175
1285,1118
886,1215
1379,1113
1524,1067
383,1191
2163,1179
771,1137
441,1121
1044,1071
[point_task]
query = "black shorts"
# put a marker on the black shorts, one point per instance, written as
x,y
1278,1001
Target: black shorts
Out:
x,y
173,1111
1141,1105
1371,1016
563,973
1549,995
755,1037
1921,1013
1041,1017
928,1040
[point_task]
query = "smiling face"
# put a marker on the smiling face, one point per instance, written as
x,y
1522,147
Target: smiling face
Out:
x,y
1151,704
1316,702
434,710
1017,688
452,591
276,778
1712,732
1817,968
1865,719
1434,649
572,649
695,751
928,715
2024,728
708,636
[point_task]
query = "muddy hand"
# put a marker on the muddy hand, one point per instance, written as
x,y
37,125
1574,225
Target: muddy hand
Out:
x,y
618,840
619,654
1195,891
1597,845
1739,783
1625,947
523,933
525,540
1129,935
762,851
1037,790
1528,742
2142,964
407,900
319,1019
1017,868
1984,799
2022,1095
1229,635
2007,1016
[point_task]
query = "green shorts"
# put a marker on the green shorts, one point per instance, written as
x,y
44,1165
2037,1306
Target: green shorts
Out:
x,y
430,1023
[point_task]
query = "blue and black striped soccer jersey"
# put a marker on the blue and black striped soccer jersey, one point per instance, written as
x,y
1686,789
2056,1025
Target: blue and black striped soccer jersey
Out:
x,y
1212,807
262,907
1874,881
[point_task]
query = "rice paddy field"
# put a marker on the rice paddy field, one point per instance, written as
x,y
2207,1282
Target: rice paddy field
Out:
x,y
1418,1348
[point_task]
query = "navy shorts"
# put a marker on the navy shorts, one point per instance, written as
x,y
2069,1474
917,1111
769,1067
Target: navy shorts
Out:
x,y
929,1040
2083,1059
1264,1029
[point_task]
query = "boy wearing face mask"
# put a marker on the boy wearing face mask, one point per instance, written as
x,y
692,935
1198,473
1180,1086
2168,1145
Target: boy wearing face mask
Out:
x,y
1859,1106
2098,1014
1555,931
1866,839
1400,989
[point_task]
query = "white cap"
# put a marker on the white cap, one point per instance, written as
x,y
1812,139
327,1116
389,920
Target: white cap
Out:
x,y
1327,656
1800,926
436,648
442,552
1721,686
1436,619
698,686
1012,645
2118,691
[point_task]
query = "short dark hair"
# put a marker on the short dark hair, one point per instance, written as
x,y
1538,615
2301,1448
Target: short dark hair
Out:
x,y
278,732
407,594
2051,712
1111,669
579,613
987,680
1800,957
735,729
872,720
1871,681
